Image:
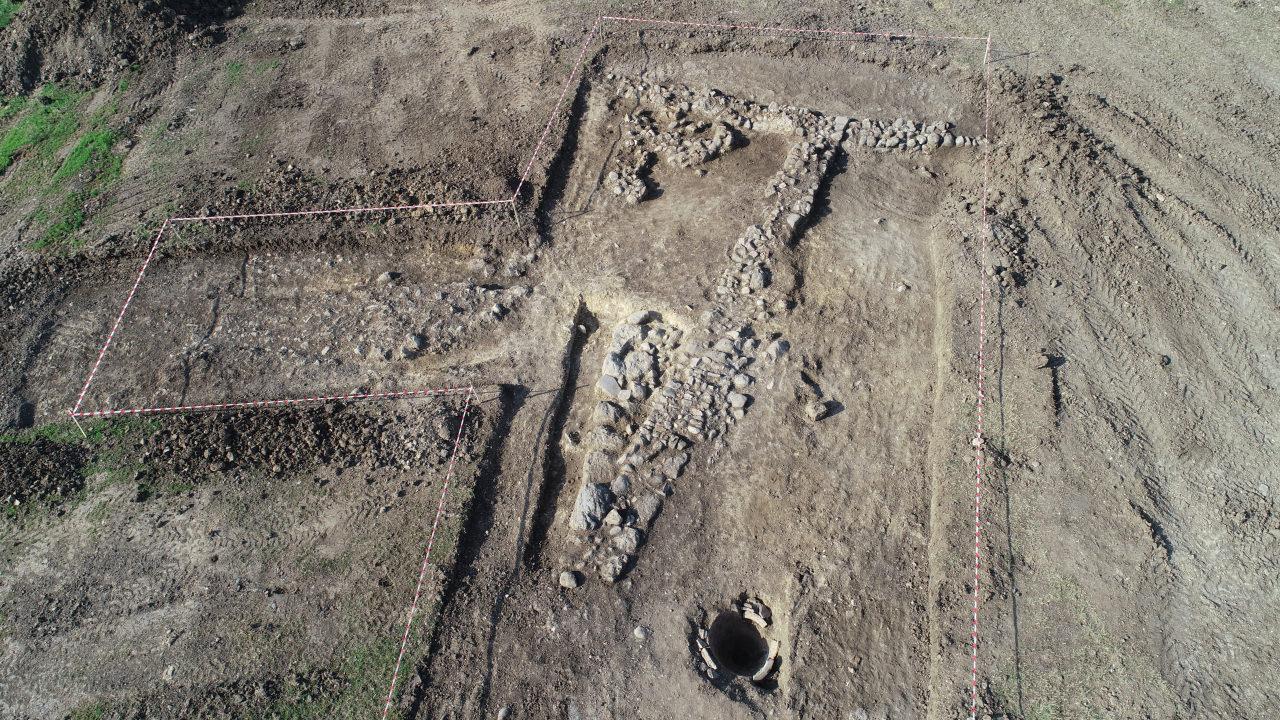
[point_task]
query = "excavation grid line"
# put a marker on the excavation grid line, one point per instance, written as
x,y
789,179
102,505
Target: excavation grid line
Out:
x,y
887,34
338,211
978,441
115,327
426,555
555,109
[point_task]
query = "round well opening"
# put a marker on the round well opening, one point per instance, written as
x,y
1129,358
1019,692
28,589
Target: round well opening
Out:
x,y
736,644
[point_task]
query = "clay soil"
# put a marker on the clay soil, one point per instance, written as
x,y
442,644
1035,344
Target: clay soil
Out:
x,y
1118,333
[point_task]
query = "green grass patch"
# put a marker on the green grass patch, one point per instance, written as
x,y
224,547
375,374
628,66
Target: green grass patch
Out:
x,y
70,217
44,123
110,460
98,513
95,431
254,144
92,152
365,673
178,487
11,106
111,467
61,433
93,160
93,711
40,128
8,9
235,73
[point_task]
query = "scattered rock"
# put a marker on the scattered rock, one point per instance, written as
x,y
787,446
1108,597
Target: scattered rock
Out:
x,y
817,410
647,508
625,335
570,579
608,413
628,541
592,504
777,349
597,468
609,386
607,440
613,366
611,569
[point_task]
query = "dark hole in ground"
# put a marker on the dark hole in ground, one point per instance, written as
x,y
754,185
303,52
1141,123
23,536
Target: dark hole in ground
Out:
x,y
736,644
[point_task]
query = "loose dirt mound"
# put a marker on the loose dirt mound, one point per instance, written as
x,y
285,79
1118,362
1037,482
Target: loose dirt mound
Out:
x,y
84,42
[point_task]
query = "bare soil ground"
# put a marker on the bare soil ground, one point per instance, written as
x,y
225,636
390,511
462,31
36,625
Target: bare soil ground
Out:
x,y
724,345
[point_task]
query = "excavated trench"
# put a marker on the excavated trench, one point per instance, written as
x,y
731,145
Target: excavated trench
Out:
x,y
268,547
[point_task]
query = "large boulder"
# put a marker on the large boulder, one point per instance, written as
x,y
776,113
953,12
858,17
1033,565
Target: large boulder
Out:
x,y
597,468
591,506
608,385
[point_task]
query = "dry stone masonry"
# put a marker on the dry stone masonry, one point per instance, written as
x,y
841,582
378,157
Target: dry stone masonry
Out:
x,y
673,125
750,610
663,389
903,135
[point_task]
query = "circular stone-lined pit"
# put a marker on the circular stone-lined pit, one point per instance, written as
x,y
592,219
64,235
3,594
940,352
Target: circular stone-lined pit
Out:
x,y
736,644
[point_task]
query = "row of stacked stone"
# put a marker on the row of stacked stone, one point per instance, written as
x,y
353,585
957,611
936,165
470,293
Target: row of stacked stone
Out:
x,y
659,397
904,135
792,191
626,184
639,445
631,369
612,510
695,128
682,141
682,138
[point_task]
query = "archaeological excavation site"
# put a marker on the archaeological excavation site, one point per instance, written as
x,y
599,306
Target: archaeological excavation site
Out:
x,y
605,360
